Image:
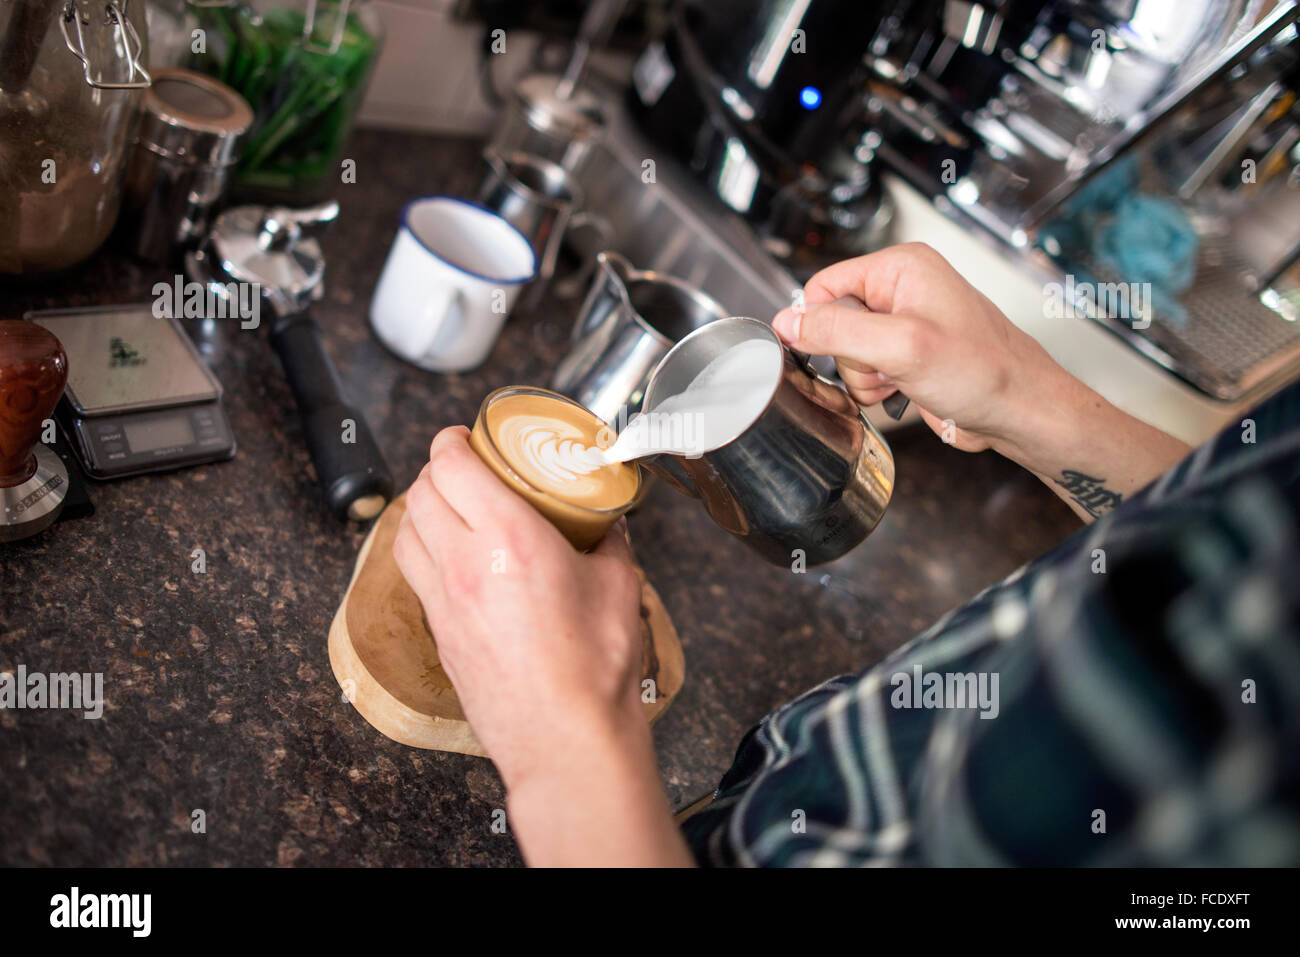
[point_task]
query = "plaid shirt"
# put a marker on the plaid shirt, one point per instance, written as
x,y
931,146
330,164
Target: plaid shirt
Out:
x,y
1142,700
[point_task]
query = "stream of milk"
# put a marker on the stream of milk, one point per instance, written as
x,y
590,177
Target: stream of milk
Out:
x,y
724,398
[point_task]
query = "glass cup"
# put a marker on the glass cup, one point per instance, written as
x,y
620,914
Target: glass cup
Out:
x,y
582,525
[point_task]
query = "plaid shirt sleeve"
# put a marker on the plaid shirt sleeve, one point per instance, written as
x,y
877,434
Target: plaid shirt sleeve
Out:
x,y
1130,698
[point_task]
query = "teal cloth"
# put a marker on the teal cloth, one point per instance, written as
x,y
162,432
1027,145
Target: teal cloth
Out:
x,y
1149,240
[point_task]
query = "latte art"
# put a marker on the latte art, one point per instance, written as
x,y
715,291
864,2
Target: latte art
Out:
x,y
563,460
551,445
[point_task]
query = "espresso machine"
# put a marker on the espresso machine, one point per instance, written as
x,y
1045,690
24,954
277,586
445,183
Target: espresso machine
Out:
x,y
1081,137
762,102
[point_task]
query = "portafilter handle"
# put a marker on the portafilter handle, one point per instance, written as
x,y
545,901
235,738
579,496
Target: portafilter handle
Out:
x,y
348,462
271,246
347,458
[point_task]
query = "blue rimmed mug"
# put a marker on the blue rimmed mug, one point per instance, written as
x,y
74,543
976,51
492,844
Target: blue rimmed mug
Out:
x,y
452,276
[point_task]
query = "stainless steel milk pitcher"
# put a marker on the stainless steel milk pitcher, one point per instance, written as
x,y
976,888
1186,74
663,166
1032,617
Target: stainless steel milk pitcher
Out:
x,y
629,321
807,480
536,196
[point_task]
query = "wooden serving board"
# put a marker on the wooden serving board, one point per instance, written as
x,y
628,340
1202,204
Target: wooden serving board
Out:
x,y
386,661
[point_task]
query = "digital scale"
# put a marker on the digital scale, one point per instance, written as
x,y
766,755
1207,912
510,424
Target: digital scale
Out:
x,y
140,397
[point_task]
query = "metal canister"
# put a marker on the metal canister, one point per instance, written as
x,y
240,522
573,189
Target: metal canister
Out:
x,y
539,121
190,133
535,195
629,321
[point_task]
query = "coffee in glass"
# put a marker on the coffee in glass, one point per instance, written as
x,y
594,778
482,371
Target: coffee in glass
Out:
x,y
541,444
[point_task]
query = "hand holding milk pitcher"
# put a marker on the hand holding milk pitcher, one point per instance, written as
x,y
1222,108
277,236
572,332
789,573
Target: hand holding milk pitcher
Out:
x,y
778,455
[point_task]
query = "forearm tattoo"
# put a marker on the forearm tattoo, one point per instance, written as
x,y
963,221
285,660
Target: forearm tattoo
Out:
x,y
1089,493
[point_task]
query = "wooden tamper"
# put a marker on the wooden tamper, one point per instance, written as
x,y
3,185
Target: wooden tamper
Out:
x,y
33,479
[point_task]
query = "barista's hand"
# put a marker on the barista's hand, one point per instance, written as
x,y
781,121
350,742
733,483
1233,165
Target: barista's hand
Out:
x,y
929,333
978,381
541,642
543,646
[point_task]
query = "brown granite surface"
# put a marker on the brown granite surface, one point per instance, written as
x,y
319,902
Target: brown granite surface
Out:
x,y
218,688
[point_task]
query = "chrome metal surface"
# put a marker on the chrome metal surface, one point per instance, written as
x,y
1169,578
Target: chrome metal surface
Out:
x,y
1008,118
32,506
1192,89
670,224
628,322
272,246
538,121
191,130
1185,82
534,194
192,119
806,482
131,46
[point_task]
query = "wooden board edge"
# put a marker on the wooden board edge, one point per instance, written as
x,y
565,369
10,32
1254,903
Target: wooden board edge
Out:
x,y
420,730
410,727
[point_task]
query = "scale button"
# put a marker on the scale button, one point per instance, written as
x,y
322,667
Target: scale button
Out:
x,y
114,446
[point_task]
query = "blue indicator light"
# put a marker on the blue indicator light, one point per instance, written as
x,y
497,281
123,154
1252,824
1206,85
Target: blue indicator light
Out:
x,y
810,97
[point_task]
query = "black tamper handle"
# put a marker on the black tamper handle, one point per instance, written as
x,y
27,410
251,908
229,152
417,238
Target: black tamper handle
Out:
x,y
353,474
895,405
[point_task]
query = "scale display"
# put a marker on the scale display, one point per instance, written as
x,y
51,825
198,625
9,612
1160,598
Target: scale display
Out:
x,y
139,396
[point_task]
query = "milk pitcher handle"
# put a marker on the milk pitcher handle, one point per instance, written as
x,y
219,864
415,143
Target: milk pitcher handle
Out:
x,y
895,405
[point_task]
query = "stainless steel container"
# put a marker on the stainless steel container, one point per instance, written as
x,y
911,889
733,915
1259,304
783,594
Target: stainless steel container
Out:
x,y
541,122
629,321
806,481
535,195
191,130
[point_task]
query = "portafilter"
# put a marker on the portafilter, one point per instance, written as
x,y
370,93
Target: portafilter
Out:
x,y
272,248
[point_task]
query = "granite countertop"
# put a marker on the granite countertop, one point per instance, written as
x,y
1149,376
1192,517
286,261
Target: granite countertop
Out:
x,y
219,694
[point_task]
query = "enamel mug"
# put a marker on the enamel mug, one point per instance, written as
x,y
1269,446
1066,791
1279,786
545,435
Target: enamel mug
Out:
x,y
452,275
